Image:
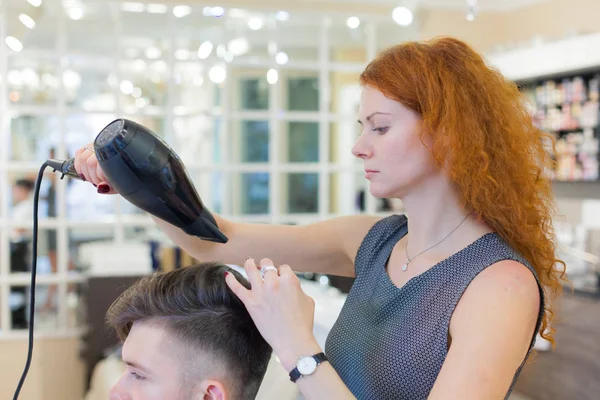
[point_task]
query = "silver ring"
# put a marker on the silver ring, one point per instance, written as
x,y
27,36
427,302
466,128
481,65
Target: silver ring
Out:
x,y
266,268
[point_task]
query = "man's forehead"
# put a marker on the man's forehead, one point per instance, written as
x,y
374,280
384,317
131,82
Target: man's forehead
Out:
x,y
148,345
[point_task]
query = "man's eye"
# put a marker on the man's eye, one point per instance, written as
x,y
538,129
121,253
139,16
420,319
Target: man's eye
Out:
x,y
138,377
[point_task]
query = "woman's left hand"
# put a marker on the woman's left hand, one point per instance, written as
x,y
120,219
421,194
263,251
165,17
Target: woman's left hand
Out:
x,y
282,312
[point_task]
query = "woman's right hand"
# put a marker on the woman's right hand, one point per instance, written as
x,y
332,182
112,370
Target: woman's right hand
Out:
x,y
86,165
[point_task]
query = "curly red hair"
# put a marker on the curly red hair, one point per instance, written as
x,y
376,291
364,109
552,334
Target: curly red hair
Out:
x,y
482,133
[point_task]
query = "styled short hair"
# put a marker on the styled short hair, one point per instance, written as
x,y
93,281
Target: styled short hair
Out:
x,y
196,306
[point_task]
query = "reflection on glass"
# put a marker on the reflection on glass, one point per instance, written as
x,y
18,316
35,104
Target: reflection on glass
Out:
x,y
46,307
302,192
251,142
301,142
32,81
33,136
88,247
143,84
250,193
302,93
89,83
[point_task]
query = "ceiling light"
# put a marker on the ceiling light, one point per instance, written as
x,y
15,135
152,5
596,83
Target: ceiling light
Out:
x,y
218,11
204,50
182,11
281,58
157,8
217,74
153,53
213,11
272,76
35,3
353,22
75,13
282,15
27,21
133,7
126,87
71,79
255,23
238,46
228,57
13,43
402,16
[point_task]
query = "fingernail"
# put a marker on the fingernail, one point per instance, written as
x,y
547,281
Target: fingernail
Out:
x,y
103,188
82,177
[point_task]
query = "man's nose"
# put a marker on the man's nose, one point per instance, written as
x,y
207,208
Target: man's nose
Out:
x,y
118,393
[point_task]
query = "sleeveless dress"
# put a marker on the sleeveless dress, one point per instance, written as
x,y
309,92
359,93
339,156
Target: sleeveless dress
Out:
x,y
390,342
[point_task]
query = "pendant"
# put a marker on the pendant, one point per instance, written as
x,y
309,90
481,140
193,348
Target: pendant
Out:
x,y
404,267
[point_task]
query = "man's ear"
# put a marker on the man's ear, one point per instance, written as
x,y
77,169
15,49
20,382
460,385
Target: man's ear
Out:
x,y
211,389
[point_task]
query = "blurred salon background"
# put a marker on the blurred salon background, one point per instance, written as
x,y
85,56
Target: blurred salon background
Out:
x,y
259,99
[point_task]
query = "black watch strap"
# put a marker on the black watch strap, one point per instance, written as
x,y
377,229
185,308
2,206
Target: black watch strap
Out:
x,y
295,374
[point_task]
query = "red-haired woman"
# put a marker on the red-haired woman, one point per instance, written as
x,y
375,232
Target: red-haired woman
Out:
x,y
449,297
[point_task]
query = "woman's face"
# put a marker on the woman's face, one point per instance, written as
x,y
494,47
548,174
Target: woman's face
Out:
x,y
395,159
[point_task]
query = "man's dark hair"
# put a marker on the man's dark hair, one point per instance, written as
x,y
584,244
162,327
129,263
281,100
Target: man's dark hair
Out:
x,y
197,307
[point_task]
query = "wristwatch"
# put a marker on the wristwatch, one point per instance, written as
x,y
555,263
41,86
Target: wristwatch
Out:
x,y
307,366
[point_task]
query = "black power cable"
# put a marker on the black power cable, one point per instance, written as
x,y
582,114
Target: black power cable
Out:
x,y
36,196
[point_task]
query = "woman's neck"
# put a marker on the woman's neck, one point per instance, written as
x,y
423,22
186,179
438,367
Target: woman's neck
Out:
x,y
434,211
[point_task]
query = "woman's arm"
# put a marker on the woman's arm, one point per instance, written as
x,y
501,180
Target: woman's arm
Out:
x,y
327,247
491,331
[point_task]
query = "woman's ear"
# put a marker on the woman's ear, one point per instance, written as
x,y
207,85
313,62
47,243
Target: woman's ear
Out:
x,y
211,389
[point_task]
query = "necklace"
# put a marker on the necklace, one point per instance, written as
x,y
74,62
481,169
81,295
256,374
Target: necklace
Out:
x,y
408,259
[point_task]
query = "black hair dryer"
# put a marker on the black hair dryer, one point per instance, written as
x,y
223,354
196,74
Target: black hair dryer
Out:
x,y
150,175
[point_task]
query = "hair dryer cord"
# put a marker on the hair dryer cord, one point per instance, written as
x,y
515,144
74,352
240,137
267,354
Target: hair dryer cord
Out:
x,y
36,196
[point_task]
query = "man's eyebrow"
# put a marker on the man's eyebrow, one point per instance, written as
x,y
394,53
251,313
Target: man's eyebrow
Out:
x,y
372,115
136,366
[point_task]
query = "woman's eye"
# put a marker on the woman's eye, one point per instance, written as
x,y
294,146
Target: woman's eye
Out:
x,y
382,129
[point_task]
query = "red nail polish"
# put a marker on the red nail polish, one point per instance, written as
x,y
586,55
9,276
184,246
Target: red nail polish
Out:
x,y
103,188
82,177
226,273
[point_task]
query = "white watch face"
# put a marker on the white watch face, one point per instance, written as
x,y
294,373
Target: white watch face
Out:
x,y
306,365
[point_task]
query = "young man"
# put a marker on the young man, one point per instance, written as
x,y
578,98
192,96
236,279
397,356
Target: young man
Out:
x,y
187,337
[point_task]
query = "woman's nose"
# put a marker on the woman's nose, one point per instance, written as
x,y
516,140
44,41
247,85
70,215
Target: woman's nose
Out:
x,y
361,149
